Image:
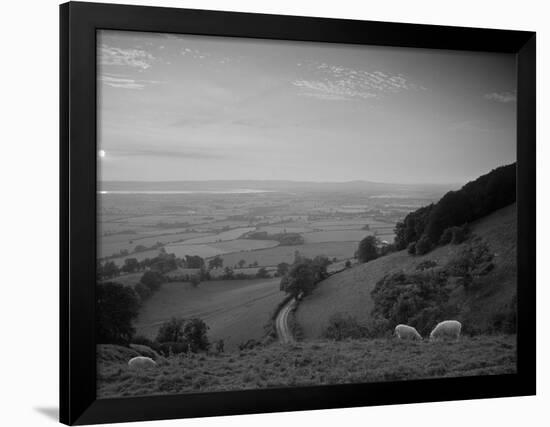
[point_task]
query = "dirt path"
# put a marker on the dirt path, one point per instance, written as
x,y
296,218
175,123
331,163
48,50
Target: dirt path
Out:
x,y
281,323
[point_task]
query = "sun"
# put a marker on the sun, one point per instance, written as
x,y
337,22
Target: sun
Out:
x,y
101,153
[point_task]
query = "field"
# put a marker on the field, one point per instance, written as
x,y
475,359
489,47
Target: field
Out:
x,y
218,248
309,363
273,256
235,310
349,291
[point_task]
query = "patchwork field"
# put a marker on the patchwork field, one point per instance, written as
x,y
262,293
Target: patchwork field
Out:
x,y
273,256
336,236
219,248
235,310
307,364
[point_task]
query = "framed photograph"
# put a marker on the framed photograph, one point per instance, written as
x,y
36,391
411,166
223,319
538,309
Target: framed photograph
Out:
x,y
266,213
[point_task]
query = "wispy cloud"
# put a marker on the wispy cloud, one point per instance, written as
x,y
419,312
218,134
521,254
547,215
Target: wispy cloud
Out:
x,y
338,83
168,153
123,82
137,58
503,97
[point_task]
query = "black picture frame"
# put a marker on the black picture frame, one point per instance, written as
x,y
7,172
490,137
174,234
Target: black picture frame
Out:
x,y
78,25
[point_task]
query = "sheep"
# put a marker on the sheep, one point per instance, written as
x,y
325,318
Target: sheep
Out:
x,y
448,329
141,362
407,332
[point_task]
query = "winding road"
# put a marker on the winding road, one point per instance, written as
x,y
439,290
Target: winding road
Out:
x,y
281,323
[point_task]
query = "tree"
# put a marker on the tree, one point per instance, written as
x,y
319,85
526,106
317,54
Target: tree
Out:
x,y
130,265
116,307
282,268
424,245
241,263
367,250
194,261
216,262
152,279
303,276
143,291
109,270
195,333
171,330
195,281
262,273
228,273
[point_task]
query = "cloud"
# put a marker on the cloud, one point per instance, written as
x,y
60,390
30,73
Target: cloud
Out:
x,y
123,82
339,83
503,97
167,153
136,58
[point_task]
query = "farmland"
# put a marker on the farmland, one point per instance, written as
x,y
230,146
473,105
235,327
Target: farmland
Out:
x,y
235,310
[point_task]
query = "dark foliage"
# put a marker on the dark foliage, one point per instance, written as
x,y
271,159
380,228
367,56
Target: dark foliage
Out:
x,y
116,307
304,275
262,273
284,239
194,261
475,200
474,261
423,246
153,280
419,300
171,331
425,265
454,235
367,250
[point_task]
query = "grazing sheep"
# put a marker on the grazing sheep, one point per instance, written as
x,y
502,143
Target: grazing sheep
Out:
x,y
141,362
406,332
448,329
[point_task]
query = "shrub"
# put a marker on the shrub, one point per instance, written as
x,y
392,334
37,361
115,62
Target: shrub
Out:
x,y
143,291
454,235
195,281
304,275
262,273
411,248
473,261
195,333
412,299
347,264
343,326
424,265
368,249
152,279
423,246
171,331
116,307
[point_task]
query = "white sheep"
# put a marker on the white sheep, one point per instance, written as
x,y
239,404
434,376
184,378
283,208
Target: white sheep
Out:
x,y
448,329
141,362
407,332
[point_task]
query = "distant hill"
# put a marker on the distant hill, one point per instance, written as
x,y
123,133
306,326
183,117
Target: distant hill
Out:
x,y
350,291
374,188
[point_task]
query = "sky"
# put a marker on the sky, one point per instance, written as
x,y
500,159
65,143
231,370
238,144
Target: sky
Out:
x,y
181,107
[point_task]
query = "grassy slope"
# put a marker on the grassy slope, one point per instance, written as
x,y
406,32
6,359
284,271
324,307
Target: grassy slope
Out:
x,y
235,310
349,291
309,363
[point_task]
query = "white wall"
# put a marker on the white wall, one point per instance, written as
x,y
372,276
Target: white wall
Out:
x,y
29,177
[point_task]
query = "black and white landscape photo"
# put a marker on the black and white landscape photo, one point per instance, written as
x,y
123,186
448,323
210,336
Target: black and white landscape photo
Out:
x,y
282,214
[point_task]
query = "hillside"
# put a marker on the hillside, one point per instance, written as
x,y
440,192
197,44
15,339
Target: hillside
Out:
x,y
303,364
349,291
